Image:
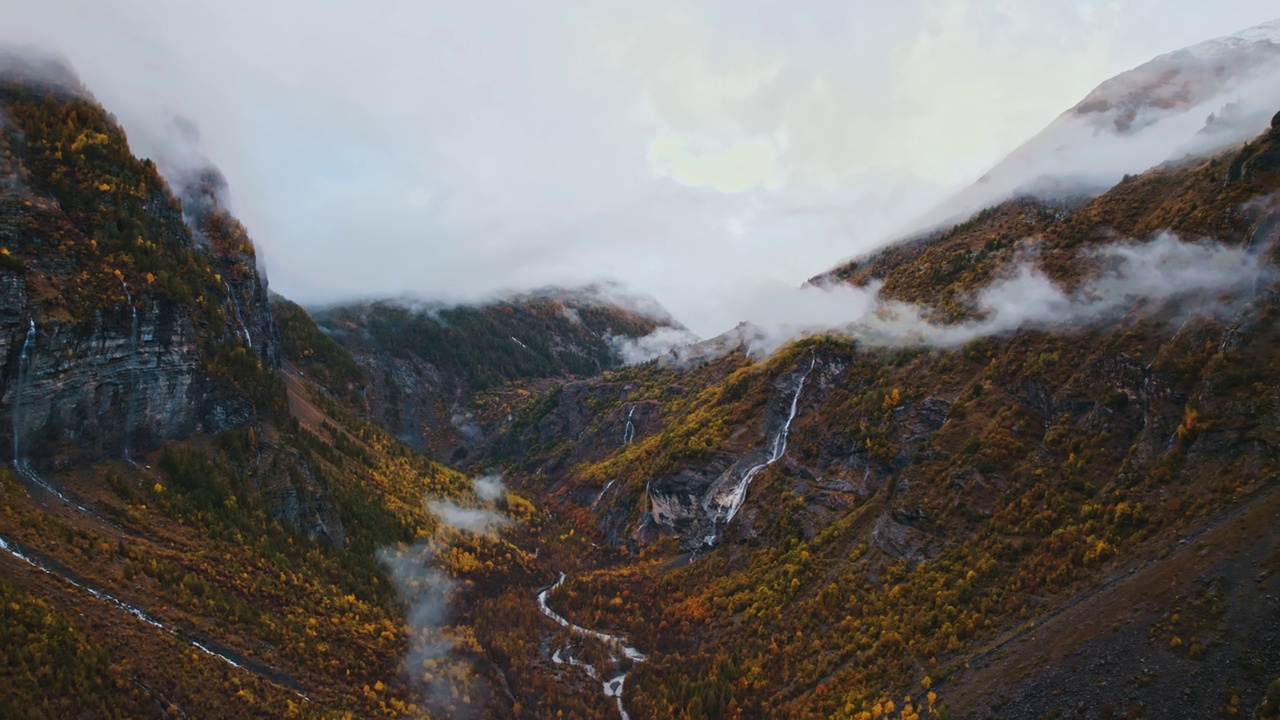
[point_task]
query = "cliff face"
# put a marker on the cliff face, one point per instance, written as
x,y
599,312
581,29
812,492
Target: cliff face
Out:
x,y
248,303
105,388
126,318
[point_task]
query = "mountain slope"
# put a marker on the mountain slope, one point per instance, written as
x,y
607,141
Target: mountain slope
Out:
x,y
439,376
1072,514
845,525
1193,102
101,268
183,529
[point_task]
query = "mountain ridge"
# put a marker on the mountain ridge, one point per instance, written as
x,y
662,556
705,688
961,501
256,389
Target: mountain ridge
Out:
x,y
1143,117
843,528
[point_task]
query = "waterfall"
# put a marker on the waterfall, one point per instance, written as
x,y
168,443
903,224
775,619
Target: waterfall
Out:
x,y
629,431
20,462
131,410
19,388
602,492
727,510
235,306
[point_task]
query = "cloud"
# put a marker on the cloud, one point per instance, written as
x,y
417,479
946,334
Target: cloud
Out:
x,y
695,150
1186,104
733,169
426,591
473,520
1131,276
489,487
634,351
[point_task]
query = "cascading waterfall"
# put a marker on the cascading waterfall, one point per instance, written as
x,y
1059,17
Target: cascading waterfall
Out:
x,y
647,504
20,462
602,492
725,512
19,388
131,410
613,686
235,306
629,431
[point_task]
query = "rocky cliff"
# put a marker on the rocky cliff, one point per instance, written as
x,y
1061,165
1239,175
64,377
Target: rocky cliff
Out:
x,y
126,318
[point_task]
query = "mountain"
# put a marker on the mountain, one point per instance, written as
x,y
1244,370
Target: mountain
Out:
x,y
1038,481
186,525
1185,104
1073,518
101,268
440,376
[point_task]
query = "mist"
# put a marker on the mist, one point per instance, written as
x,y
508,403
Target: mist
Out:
x,y
489,487
1176,108
476,520
426,590
697,151
1131,276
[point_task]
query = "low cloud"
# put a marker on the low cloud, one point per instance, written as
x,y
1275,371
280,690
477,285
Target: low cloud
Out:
x,y
426,591
1130,275
479,521
434,669
634,351
1179,106
489,487
476,520
525,153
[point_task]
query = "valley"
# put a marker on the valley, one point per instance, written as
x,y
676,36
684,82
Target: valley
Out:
x,y
1037,478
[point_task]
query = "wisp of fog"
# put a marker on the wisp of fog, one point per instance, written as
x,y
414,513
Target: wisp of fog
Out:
x,y
1130,275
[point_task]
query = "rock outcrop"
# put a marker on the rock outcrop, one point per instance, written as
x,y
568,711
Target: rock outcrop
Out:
x,y
115,386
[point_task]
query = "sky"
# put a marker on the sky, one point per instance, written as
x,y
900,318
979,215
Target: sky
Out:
x,y
708,153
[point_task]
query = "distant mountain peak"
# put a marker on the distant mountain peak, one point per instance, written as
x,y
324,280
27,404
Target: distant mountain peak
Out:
x,y
1192,102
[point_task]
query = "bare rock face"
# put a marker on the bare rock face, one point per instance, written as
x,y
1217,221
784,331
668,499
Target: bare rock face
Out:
x,y
296,497
118,385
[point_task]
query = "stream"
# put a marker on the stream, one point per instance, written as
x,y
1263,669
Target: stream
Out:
x,y
616,643
728,507
224,655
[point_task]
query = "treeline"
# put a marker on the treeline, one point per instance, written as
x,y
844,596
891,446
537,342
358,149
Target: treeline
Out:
x,y
316,354
495,344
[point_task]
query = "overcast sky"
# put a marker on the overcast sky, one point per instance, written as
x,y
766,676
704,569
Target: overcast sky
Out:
x,y
703,152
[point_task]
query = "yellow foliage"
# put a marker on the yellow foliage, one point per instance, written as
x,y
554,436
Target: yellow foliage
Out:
x,y
892,400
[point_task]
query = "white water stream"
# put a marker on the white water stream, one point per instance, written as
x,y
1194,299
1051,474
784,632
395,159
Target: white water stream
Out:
x,y
131,410
602,492
728,507
21,464
131,609
617,643
235,307
629,432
